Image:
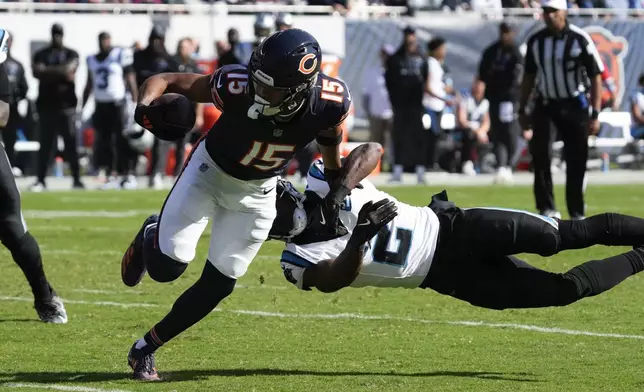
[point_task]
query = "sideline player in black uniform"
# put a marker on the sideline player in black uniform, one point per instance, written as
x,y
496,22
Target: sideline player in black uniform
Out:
x,y
270,109
464,253
153,60
18,90
13,229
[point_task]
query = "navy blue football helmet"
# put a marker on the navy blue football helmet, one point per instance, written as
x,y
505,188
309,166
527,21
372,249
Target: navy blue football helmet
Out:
x,y
283,69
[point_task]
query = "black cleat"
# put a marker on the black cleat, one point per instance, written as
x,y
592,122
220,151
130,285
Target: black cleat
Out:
x,y
142,364
51,310
132,264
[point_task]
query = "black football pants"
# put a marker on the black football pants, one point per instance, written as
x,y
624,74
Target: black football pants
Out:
x,y
9,134
503,135
112,148
570,119
474,260
54,122
409,137
13,232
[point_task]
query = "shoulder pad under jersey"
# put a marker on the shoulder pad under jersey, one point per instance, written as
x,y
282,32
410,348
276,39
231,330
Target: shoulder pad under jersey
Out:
x,y
333,100
226,83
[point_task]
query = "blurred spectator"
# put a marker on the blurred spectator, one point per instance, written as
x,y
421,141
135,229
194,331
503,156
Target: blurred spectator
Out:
x,y
150,61
17,92
339,6
438,96
55,67
376,100
473,122
284,21
110,77
221,47
236,53
500,73
184,59
405,78
637,110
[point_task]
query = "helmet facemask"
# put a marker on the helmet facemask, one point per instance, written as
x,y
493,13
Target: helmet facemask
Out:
x,y
271,100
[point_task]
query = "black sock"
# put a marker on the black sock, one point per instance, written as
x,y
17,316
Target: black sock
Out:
x,y
194,304
603,229
595,277
26,254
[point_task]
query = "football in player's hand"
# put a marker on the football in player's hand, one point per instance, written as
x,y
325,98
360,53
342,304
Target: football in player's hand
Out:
x,y
169,117
177,110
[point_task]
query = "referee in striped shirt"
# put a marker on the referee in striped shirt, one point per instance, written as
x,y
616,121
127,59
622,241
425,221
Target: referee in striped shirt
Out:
x,y
559,59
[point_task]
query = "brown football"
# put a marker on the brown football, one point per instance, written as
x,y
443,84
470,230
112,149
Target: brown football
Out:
x,y
180,110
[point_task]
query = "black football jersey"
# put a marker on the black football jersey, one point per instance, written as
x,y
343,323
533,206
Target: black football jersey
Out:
x,y
252,149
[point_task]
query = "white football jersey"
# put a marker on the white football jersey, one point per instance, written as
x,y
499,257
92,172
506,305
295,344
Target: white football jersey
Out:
x,y
108,75
400,258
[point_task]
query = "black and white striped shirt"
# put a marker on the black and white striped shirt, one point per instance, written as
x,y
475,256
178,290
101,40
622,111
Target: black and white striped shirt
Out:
x,y
562,61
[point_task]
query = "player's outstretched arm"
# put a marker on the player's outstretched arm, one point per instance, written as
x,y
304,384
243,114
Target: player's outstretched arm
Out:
x,y
360,163
355,168
332,275
195,87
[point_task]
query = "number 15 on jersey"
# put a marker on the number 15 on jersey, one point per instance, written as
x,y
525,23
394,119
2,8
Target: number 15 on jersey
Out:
x,y
270,150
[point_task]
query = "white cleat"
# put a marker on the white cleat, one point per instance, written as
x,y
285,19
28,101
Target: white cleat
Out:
x,y
468,168
504,176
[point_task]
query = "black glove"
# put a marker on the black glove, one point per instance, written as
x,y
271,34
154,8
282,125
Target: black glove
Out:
x,y
371,219
151,118
337,190
322,226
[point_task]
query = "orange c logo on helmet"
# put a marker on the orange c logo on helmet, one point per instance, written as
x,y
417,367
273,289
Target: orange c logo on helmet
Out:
x,y
310,69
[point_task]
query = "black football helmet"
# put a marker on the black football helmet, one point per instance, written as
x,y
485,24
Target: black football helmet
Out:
x,y
291,217
283,70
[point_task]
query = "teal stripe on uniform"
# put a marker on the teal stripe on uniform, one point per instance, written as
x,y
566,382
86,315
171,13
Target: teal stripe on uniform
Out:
x,y
551,221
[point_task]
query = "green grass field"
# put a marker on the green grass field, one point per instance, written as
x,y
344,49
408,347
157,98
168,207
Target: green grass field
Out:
x,y
268,336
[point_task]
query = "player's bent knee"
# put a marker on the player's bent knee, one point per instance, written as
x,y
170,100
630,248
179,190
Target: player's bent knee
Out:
x,y
550,238
551,242
165,269
161,267
11,232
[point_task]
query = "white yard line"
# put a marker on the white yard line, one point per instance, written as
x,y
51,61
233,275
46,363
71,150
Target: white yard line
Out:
x,y
106,292
97,252
48,214
99,303
56,387
77,229
357,316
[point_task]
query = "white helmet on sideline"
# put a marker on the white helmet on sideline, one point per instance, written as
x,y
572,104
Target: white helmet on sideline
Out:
x,y
139,138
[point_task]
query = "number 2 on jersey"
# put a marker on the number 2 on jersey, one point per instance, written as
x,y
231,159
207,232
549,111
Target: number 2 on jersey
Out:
x,y
269,155
399,256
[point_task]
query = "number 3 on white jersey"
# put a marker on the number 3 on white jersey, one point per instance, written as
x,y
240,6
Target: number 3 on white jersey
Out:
x,y
269,155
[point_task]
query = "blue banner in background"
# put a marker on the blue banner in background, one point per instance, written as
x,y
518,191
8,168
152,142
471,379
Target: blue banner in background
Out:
x,y
617,42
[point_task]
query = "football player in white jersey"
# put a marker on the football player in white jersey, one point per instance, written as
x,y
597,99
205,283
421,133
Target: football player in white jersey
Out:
x,y
463,253
111,77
